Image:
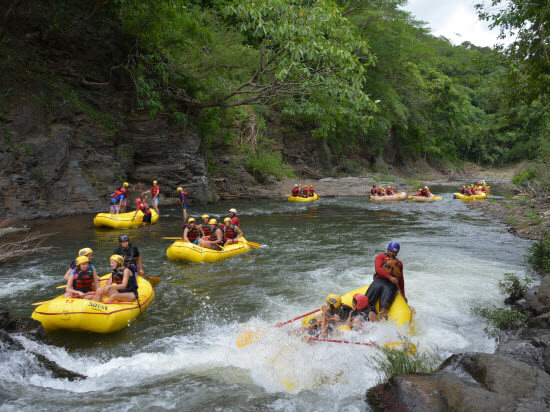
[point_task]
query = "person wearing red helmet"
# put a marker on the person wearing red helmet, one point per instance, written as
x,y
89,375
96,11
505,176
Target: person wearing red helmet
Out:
x,y
360,311
388,279
144,207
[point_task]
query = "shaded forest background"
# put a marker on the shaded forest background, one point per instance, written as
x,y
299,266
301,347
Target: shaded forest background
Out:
x,y
362,81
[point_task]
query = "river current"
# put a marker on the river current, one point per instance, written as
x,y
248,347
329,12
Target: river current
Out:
x,y
181,353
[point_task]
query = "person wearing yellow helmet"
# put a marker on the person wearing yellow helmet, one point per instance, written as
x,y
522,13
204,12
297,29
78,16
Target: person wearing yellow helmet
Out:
x,y
82,280
381,191
191,232
204,227
311,191
231,231
155,193
122,285
88,252
215,239
331,314
389,191
184,198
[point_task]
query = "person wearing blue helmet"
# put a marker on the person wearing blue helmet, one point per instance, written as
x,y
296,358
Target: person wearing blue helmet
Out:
x,y
388,279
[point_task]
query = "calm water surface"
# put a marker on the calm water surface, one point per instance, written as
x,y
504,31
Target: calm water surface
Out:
x,y
181,353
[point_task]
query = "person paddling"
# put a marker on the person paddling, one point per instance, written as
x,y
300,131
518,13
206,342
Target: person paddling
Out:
x,y
82,280
231,232
388,279
360,312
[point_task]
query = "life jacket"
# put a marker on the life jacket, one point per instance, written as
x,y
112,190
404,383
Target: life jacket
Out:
x,y
380,192
389,192
423,192
155,190
373,191
193,232
117,275
230,232
212,236
117,193
206,230
83,281
311,191
129,255
295,191
144,207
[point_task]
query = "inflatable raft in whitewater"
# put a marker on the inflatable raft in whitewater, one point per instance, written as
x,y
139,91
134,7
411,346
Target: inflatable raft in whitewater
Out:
x,y
123,220
469,197
87,315
381,199
400,313
424,199
180,250
303,199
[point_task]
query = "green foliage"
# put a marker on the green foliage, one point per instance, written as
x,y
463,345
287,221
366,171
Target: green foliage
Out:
x,y
500,318
539,257
266,162
393,362
513,286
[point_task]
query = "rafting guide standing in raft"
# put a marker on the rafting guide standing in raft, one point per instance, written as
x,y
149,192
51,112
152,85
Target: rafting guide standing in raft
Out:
x,y
388,279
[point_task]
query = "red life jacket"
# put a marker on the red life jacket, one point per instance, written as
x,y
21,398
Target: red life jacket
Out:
x,y
311,191
373,191
206,230
295,191
230,232
145,208
193,232
83,280
380,192
117,193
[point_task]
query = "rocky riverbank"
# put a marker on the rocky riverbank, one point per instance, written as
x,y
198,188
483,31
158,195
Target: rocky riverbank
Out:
x,y
517,376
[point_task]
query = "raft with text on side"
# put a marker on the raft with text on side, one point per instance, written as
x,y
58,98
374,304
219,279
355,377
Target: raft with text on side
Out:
x,y
425,199
397,196
469,197
123,220
400,313
303,199
86,315
180,250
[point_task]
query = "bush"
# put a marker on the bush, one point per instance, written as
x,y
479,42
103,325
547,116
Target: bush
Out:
x,y
539,257
265,162
513,286
500,319
400,361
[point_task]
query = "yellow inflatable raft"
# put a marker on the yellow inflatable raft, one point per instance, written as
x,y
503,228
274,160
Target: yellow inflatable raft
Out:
x,y
123,220
303,199
90,316
397,196
424,199
470,197
400,313
180,250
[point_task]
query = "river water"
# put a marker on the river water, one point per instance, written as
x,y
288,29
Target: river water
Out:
x,y
181,353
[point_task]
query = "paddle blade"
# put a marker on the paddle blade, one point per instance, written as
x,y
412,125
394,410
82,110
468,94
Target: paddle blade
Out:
x,y
253,244
39,303
61,287
173,238
408,347
247,338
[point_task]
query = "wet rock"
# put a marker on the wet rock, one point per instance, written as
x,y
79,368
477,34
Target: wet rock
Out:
x,y
56,370
470,381
541,321
8,343
541,302
522,351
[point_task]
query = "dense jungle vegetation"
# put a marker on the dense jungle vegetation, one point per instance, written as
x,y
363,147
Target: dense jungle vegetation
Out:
x,y
365,78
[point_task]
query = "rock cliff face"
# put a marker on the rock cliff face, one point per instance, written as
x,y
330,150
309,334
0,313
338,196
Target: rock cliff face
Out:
x,y
70,128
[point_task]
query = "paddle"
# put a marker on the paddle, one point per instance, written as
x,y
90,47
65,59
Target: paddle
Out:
x,y
411,346
247,338
152,278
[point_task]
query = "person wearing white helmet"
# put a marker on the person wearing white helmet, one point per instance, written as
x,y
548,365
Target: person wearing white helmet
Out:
x,y
233,215
296,190
425,192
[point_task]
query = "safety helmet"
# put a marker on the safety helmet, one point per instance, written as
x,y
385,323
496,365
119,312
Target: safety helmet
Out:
x,y
123,238
126,184
389,187
82,259
234,221
117,258
426,187
394,246
227,219
374,185
180,189
138,200
191,220
361,301
295,184
310,185
233,211
310,320
205,217
155,182
334,300
212,222
381,187
85,251
341,329
123,190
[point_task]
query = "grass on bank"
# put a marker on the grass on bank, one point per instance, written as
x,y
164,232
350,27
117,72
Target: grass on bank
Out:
x,y
398,361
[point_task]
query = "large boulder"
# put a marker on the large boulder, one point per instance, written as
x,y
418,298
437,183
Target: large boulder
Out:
x,y
470,381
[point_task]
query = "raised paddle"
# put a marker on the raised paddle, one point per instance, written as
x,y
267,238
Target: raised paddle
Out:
x,y
247,338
